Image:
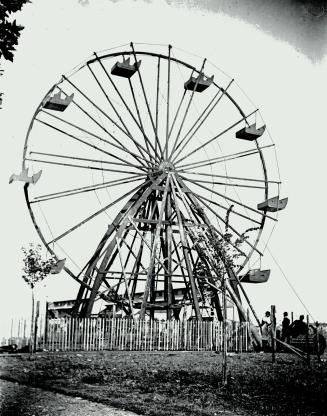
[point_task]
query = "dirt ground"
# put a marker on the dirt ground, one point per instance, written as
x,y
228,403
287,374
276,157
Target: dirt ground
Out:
x,y
179,383
17,399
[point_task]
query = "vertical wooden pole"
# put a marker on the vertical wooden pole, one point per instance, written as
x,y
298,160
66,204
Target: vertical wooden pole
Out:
x,y
90,333
41,333
93,332
131,330
292,317
111,322
46,323
11,330
37,312
123,334
77,332
19,342
119,332
273,332
83,321
32,324
168,261
50,338
318,342
307,341
98,333
136,334
72,334
224,381
24,333
216,336
53,335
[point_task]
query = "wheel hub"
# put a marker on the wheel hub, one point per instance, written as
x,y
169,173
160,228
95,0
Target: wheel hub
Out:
x,y
166,166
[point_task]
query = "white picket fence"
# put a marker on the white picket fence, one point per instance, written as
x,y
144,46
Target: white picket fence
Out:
x,y
93,334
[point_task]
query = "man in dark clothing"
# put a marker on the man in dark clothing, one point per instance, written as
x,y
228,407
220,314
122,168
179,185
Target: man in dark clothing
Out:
x,y
285,327
298,327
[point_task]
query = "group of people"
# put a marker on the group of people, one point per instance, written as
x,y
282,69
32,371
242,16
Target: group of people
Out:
x,y
288,328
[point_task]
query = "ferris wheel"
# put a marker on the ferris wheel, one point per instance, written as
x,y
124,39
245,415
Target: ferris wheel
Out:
x,y
136,164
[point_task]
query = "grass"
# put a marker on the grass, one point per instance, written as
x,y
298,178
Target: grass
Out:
x,y
179,383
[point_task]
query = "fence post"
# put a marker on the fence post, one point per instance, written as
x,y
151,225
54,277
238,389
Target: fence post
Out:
x,y
307,341
224,382
46,323
318,342
273,332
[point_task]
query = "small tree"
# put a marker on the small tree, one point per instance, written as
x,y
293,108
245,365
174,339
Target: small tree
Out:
x,y
35,270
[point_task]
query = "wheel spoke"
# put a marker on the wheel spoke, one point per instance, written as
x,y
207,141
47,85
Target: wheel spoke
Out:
x,y
70,230
108,99
157,100
187,109
227,177
226,208
117,146
168,103
177,113
229,184
118,142
204,119
226,158
82,141
126,106
82,188
78,191
137,144
147,103
88,160
71,165
263,214
214,138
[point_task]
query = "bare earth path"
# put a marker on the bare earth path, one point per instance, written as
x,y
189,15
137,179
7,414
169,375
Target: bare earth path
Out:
x,y
17,399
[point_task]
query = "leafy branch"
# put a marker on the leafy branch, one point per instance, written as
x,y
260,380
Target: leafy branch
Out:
x,y
223,251
9,30
35,267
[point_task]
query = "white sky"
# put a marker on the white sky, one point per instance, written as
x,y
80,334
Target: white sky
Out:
x,y
288,88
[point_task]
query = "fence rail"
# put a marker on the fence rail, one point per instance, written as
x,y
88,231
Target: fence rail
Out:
x,y
93,334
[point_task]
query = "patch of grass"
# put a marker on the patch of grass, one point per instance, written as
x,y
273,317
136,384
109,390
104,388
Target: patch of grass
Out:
x,y
163,383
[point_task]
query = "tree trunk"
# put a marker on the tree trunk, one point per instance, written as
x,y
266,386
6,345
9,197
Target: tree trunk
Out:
x,y
32,324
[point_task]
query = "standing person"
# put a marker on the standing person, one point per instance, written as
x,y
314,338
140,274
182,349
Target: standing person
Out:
x,y
265,330
298,327
286,328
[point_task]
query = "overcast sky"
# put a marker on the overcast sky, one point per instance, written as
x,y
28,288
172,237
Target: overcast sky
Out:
x,y
287,84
